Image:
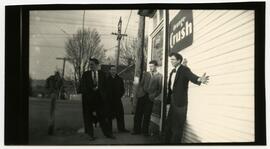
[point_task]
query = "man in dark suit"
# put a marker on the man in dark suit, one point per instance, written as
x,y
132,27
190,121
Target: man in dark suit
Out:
x,y
117,90
178,98
93,87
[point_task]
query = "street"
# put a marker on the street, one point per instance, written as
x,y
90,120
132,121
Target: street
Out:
x,y
68,125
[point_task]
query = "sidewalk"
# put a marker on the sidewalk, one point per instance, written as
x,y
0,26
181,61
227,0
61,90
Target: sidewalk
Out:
x,y
68,122
73,137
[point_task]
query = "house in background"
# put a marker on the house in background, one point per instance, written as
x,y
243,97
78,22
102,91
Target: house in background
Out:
x,y
38,89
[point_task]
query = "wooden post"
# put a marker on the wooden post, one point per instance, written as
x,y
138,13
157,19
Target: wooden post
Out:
x,y
52,114
64,59
165,94
139,59
140,52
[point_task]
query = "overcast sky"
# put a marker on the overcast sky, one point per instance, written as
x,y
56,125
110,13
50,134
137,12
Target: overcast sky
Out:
x,y
49,31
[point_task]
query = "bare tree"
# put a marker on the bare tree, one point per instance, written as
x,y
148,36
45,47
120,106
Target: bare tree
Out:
x,y
128,51
82,46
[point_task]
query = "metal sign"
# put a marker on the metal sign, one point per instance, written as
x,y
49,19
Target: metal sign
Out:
x,y
181,31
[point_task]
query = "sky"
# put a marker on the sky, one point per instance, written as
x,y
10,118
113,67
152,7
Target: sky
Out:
x,y
49,31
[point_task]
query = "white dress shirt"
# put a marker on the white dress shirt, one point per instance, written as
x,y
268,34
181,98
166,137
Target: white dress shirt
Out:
x,y
96,72
173,76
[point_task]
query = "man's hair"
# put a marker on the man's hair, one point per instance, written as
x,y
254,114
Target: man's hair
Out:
x,y
177,56
57,73
153,62
94,60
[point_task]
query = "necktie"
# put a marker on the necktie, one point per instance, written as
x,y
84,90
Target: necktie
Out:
x,y
95,79
151,80
170,78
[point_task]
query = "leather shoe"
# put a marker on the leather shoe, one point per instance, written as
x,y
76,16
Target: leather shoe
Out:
x,y
92,138
135,133
146,134
123,130
110,136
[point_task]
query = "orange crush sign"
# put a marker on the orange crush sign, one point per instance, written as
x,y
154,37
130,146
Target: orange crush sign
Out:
x,y
181,31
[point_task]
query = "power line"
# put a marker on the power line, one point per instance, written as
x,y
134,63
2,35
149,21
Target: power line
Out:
x,y
51,37
128,21
46,46
59,34
70,22
69,16
44,37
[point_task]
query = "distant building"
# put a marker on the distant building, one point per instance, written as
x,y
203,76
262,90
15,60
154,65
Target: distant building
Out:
x,y
39,89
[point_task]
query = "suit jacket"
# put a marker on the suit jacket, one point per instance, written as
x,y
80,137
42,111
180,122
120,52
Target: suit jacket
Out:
x,y
117,88
116,92
150,85
86,88
178,96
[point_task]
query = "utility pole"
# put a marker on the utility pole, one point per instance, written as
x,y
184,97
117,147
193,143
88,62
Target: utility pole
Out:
x,y
81,47
64,59
165,76
139,65
139,60
140,51
119,37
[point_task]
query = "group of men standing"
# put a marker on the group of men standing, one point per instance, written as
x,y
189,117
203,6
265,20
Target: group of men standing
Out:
x,y
102,93
101,100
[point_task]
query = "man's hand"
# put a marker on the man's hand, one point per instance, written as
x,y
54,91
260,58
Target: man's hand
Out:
x,y
204,79
96,88
151,97
168,107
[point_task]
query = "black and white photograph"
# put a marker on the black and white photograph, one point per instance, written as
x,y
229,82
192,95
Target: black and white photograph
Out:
x,y
174,75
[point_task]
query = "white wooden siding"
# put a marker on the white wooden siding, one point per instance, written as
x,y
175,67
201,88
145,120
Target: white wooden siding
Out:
x,y
223,46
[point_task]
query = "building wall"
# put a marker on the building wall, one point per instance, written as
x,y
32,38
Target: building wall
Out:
x,y
223,46
156,52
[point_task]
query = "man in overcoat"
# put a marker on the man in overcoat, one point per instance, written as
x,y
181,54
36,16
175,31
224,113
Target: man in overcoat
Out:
x,y
117,91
